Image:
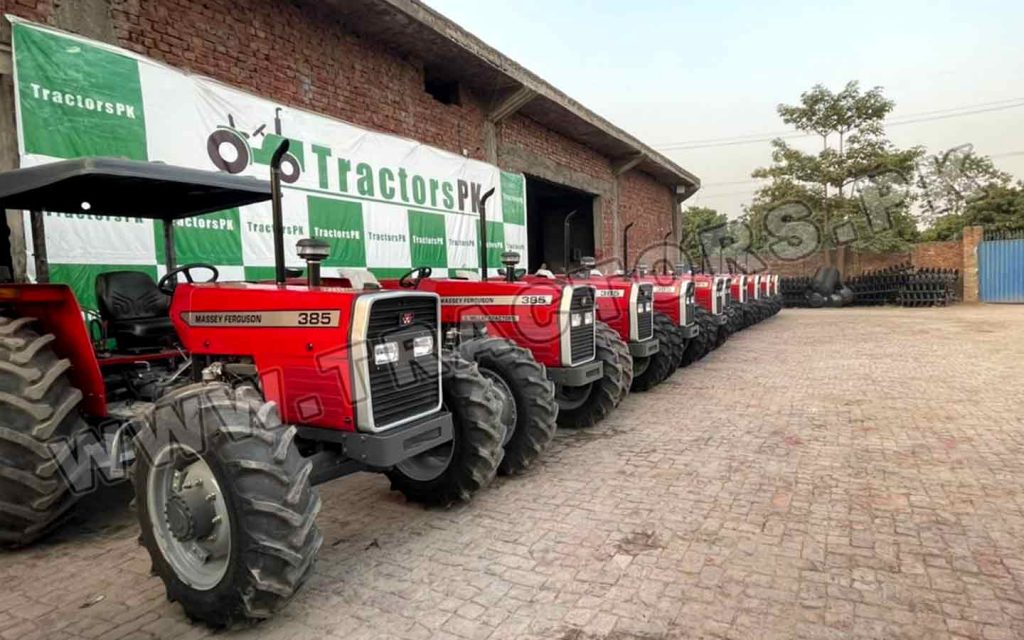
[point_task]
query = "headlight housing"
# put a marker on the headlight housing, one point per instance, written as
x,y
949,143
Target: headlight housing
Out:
x,y
385,353
422,346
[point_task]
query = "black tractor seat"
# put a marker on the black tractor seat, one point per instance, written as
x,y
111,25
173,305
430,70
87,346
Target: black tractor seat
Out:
x,y
136,311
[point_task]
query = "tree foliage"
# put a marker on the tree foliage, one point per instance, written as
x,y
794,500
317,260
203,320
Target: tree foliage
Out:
x,y
695,221
999,206
856,164
948,182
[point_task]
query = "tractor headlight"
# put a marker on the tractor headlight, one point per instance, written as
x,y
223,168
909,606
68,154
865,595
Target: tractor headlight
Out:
x,y
577,319
588,317
385,353
422,346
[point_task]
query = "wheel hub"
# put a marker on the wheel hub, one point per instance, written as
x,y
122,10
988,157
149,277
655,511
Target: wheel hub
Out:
x,y
189,515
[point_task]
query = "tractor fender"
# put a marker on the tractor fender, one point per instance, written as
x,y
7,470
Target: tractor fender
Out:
x,y
57,312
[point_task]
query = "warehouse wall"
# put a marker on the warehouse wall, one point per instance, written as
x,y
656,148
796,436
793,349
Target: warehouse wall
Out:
x,y
299,53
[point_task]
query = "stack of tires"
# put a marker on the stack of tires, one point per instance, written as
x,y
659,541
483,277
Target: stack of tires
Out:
x,y
827,290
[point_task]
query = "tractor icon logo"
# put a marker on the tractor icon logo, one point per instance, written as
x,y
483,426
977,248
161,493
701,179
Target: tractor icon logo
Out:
x,y
232,150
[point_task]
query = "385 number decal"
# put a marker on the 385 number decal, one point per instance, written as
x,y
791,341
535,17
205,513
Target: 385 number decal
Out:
x,y
315,318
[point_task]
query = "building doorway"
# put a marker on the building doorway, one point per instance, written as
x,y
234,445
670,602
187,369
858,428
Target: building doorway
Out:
x,y
547,206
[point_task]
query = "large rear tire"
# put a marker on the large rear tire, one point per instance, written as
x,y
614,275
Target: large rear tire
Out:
x,y
529,409
225,506
579,408
662,364
454,471
38,408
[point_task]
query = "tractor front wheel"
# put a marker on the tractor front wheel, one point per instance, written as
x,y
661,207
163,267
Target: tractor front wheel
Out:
x,y
38,409
580,407
453,471
626,362
225,504
529,410
662,364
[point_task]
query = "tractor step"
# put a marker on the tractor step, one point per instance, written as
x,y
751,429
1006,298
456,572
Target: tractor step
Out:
x,y
644,349
387,448
576,376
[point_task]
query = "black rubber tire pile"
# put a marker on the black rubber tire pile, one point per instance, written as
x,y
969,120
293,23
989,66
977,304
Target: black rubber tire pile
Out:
x,y
902,285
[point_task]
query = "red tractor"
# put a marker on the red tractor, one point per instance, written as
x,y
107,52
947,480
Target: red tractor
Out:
x,y
674,304
627,306
234,399
548,322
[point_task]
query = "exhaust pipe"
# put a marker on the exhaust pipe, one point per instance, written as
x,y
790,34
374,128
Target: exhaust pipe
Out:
x,y
276,213
483,233
664,253
626,249
567,241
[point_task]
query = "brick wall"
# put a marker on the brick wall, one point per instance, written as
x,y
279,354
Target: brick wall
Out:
x,y
642,200
298,53
925,255
942,255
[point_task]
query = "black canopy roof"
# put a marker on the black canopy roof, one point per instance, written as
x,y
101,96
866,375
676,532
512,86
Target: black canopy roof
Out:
x,y
114,187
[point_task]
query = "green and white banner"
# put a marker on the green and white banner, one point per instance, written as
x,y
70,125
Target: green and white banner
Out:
x,y
382,202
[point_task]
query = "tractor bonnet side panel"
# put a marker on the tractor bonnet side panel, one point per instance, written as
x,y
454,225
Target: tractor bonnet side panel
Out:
x,y
613,300
705,292
667,293
525,312
298,338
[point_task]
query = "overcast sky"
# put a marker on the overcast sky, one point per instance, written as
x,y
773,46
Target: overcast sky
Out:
x,y
682,72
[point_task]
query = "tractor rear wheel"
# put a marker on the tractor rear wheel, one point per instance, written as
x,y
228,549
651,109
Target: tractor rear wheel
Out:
x,y
662,364
529,410
453,471
581,407
225,505
38,407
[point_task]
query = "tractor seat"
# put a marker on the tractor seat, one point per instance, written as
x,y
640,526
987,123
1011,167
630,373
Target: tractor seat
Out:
x,y
135,310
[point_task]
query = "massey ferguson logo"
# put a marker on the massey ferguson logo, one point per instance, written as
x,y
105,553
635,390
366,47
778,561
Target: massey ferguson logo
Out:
x,y
407,318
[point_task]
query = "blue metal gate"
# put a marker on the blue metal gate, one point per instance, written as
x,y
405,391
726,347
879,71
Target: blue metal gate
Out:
x,y
1001,266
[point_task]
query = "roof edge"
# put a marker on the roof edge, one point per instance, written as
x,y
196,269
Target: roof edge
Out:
x,y
439,23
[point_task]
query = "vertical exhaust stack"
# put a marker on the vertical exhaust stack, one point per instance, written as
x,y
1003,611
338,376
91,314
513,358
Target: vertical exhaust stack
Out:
x,y
483,233
567,241
664,253
277,213
625,249
313,251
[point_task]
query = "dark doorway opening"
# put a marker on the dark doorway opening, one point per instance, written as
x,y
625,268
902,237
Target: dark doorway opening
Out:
x,y
547,205
6,259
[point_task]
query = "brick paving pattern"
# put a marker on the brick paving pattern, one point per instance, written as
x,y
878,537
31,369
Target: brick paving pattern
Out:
x,y
850,473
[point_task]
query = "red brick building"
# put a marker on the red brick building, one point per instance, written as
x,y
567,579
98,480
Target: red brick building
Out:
x,y
399,67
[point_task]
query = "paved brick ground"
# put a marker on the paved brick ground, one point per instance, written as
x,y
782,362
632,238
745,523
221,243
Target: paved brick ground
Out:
x,y
827,474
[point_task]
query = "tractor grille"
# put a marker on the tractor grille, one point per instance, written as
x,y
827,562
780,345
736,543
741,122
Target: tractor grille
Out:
x,y
645,312
689,307
581,338
411,386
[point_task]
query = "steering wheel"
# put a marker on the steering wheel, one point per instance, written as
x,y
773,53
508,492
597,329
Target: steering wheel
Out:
x,y
170,279
411,279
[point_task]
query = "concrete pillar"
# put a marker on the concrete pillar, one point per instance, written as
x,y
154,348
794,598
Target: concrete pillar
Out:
x,y
972,239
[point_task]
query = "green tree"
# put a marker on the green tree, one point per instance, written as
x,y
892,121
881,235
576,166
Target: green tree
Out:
x,y
948,182
997,207
697,220
842,182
